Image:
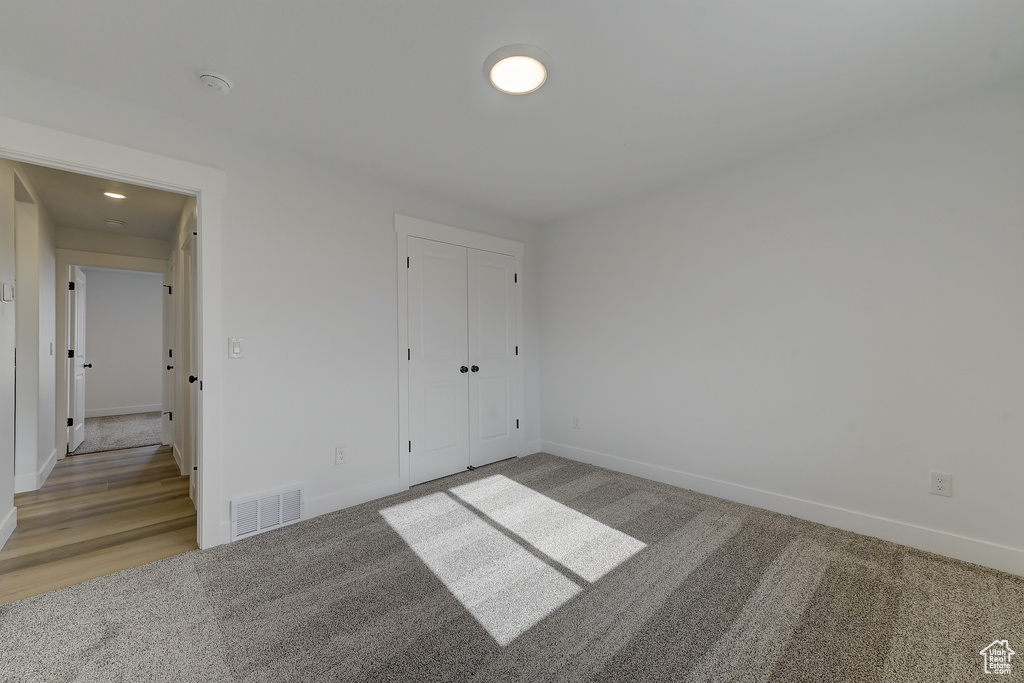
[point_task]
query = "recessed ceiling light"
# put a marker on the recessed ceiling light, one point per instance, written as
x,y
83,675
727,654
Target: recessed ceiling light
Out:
x,y
114,195
517,69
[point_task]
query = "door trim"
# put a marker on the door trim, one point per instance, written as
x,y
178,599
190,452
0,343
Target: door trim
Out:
x,y
21,141
406,226
65,260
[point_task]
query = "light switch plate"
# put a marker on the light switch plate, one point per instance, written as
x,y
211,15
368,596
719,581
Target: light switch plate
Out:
x,y
235,347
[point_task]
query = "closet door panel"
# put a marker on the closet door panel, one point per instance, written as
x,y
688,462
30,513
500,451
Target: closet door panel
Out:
x,y
438,389
492,354
494,410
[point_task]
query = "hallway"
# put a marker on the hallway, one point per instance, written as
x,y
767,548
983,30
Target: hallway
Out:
x,y
97,514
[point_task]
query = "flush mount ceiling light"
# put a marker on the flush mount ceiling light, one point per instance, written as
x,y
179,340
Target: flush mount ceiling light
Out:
x,y
113,195
214,82
517,69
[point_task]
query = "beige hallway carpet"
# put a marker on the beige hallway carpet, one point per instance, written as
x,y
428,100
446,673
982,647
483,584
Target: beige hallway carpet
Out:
x,y
115,432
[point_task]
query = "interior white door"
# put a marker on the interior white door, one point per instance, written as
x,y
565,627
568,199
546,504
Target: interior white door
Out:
x,y
438,360
77,361
168,374
190,364
493,357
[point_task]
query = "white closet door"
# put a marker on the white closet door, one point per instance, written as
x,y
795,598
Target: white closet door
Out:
x,y
438,350
492,354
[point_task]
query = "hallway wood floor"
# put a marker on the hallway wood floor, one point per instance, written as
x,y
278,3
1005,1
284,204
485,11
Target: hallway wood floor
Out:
x,y
95,515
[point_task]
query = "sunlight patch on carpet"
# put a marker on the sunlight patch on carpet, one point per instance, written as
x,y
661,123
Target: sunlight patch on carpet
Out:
x,y
587,547
504,587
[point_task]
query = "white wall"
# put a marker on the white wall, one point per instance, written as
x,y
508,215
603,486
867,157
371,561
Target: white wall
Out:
x,y
309,280
36,453
26,454
48,346
124,342
8,513
111,243
310,283
813,332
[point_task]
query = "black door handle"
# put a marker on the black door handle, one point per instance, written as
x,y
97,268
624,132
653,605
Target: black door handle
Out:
x,y
475,368
463,369
170,367
192,379
87,365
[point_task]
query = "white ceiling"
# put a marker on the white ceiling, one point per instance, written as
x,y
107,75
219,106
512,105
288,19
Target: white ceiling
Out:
x,y
76,201
641,94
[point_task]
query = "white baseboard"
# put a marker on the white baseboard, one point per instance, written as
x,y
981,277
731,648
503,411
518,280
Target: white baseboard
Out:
x,y
531,447
354,496
47,467
25,482
1003,558
127,410
180,459
7,526
32,481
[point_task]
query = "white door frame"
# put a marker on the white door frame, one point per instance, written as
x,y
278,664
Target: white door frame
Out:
x,y
20,141
167,342
74,337
405,227
66,260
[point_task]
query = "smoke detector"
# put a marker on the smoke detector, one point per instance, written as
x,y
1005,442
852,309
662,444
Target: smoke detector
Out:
x,y
215,82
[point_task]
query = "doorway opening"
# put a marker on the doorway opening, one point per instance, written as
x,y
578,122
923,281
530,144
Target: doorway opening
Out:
x,y
102,277
116,332
30,143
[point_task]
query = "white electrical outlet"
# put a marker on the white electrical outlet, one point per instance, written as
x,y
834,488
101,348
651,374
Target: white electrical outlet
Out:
x,y
575,422
942,484
339,456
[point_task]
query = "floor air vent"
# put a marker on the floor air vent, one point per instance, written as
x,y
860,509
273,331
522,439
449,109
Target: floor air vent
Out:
x,y
256,514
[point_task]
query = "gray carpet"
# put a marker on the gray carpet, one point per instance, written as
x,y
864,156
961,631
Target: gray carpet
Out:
x,y
115,432
692,588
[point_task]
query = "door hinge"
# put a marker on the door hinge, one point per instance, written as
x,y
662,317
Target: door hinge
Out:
x,y
517,424
71,286
200,385
170,416
410,354
407,262
410,446
71,422
170,353
517,349
516,278
169,289
71,353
